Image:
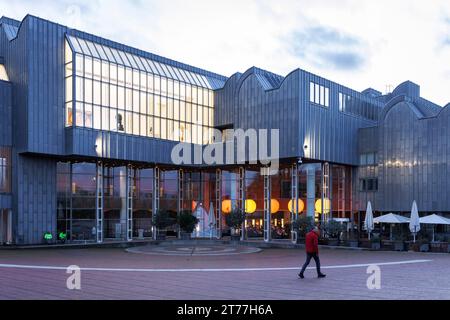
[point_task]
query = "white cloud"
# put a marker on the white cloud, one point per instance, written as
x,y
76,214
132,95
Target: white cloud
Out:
x,y
398,40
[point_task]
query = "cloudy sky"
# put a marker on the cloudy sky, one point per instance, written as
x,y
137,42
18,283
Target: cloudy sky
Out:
x,y
359,43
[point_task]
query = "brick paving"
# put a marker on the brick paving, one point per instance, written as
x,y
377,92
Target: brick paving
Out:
x,y
426,280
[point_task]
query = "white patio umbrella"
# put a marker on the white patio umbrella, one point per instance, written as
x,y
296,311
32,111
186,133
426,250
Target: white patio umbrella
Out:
x,y
368,223
212,220
435,220
391,219
414,223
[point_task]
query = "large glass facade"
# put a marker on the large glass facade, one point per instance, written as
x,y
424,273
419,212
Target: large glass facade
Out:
x,y
111,90
129,196
76,200
5,170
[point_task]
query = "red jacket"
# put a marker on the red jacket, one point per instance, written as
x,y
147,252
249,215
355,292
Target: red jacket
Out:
x,y
312,242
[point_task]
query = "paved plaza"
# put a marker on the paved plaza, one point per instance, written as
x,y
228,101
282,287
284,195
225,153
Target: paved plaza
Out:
x,y
219,272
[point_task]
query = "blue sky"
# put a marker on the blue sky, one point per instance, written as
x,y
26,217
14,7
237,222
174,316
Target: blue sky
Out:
x,y
359,43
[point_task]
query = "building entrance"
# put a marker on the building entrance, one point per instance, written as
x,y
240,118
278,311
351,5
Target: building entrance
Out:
x,y
5,227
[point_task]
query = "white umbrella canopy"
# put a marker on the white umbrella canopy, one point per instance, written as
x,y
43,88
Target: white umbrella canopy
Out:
x,y
391,219
368,223
414,223
434,219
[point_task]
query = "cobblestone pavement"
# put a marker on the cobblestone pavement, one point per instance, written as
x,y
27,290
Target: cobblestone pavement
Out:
x,y
267,275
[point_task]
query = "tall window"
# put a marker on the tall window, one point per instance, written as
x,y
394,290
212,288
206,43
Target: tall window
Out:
x,y
114,91
358,107
319,94
5,170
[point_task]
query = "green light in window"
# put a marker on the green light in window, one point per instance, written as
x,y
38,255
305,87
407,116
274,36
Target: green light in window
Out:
x,y
62,236
48,236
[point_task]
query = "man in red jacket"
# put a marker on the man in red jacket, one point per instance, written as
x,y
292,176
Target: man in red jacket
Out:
x,y
312,252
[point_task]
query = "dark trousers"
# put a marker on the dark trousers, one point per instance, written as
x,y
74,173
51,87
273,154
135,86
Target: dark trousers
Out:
x,y
310,256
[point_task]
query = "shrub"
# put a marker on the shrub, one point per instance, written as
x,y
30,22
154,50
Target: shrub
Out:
x,y
235,219
162,219
303,225
187,221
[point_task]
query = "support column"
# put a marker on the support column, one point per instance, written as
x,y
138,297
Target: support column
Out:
x,y
241,203
311,190
267,206
294,198
156,197
326,198
180,197
9,230
99,203
219,203
130,194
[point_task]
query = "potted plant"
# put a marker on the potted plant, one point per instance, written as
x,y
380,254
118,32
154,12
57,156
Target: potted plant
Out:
x,y
375,242
302,226
162,220
332,230
440,244
234,220
187,223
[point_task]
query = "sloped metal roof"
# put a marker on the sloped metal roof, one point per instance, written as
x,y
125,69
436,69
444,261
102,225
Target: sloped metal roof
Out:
x,y
268,79
10,31
110,54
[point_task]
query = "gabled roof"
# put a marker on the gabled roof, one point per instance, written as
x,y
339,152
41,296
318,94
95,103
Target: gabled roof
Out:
x,y
10,27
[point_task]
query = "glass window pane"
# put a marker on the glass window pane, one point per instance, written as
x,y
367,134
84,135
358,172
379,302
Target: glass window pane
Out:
x,y
88,67
157,106
113,96
105,94
97,69
188,112
164,86
121,75
88,115
164,129
79,114
150,85
143,127
163,108
150,127
136,123
97,118
176,110
120,120
136,101
143,82
105,71
143,103
128,122
87,90
97,93
79,61
170,108
105,119
113,74
79,87
157,85
150,104
129,99
136,79
121,98
156,127
69,89
182,111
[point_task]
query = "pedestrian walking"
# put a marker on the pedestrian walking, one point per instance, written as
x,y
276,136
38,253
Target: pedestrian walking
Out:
x,y
312,252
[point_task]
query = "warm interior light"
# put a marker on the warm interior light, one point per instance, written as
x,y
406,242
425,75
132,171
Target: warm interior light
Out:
x,y
250,206
326,206
274,206
301,206
226,206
